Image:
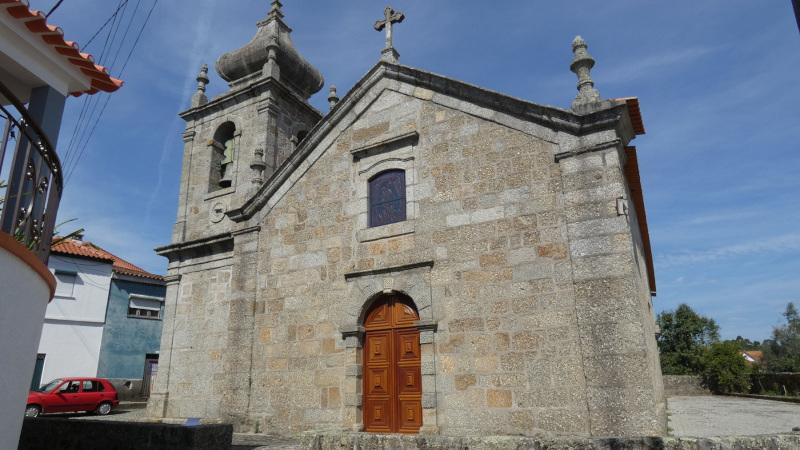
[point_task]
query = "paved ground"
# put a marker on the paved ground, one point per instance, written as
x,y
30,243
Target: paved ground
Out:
x,y
703,416
707,416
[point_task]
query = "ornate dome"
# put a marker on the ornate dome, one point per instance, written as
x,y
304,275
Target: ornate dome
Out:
x,y
272,32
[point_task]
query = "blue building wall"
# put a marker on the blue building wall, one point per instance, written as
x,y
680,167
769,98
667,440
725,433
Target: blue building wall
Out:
x,y
126,340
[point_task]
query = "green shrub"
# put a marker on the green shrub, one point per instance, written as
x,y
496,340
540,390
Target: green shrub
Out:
x,y
725,370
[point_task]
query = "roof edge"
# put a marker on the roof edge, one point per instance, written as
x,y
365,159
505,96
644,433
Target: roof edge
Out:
x,y
550,116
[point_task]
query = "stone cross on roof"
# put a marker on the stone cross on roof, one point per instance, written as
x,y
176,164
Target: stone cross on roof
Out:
x,y
389,54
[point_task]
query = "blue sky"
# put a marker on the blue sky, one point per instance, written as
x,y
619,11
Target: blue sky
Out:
x,y
717,81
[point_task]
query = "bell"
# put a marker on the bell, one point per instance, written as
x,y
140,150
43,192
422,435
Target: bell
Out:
x,y
226,166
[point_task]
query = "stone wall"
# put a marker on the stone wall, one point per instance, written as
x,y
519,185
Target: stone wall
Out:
x,y
787,383
66,434
128,390
675,385
346,441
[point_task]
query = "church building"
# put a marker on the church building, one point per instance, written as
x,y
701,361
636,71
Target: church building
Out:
x,y
428,256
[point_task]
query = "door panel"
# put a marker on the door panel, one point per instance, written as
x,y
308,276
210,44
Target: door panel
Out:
x,y
378,415
379,316
410,416
392,377
408,346
378,380
378,348
404,315
408,381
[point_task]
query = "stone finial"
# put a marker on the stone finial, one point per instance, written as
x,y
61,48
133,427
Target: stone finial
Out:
x,y
271,67
582,64
199,98
333,99
390,17
257,166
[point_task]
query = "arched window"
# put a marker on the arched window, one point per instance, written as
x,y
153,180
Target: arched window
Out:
x,y
387,198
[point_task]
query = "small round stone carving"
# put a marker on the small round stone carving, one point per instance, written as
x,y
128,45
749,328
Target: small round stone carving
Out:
x,y
217,212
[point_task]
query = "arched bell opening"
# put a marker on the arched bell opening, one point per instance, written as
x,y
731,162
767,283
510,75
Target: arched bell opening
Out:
x,y
222,157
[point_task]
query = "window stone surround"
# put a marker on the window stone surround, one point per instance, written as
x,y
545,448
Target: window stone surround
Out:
x,y
395,153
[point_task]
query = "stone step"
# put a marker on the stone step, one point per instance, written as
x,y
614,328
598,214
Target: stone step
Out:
x,y
264,441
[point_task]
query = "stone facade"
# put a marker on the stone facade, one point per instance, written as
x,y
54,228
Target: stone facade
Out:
x,y
522,251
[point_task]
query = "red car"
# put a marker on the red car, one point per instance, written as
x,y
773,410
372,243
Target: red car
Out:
x,y
71,395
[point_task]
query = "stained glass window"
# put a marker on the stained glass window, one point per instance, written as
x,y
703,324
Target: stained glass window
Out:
x,y
387,198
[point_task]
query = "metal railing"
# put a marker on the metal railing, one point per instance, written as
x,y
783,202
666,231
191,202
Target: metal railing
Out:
x,y
30,178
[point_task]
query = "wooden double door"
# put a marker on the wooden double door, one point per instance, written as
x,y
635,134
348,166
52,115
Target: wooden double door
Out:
x,y
392,377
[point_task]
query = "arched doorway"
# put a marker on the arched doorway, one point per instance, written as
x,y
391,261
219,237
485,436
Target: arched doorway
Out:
x,y
392,378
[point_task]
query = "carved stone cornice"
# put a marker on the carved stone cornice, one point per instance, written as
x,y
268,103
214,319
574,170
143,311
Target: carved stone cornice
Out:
x,y
382,270
411,137
172,279
211,245
593,148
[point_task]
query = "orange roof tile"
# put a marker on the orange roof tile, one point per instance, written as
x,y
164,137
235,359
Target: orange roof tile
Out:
x,y
36,23
74,247
635,113
757,355
637,197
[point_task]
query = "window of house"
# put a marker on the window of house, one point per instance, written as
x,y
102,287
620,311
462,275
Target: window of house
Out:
x,y
144,307
65,286
387,198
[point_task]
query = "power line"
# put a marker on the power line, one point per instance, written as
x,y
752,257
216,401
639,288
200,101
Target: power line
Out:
x,y
114,15
90,105
108,98
108,44
88,126
54,8
81,142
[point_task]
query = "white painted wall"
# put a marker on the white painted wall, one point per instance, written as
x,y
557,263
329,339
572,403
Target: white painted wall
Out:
x,y
23,299
73,326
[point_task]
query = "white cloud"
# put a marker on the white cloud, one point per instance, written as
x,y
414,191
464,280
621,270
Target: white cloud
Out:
x,y
778,244
651,65
200,41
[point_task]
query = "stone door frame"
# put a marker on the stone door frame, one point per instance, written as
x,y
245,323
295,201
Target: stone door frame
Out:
x,y
412,281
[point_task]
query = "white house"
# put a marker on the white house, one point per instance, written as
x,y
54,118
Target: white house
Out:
x,y
73,323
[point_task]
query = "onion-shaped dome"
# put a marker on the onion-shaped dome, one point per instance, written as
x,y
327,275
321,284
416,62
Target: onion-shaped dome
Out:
x,y
272,32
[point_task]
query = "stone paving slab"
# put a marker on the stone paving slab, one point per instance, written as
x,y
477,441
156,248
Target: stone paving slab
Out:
x,y
264,442
707,416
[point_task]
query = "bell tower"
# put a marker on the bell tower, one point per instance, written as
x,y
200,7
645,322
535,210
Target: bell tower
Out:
x,y
237,140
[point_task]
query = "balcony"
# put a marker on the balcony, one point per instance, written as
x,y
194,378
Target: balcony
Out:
x,y
31,181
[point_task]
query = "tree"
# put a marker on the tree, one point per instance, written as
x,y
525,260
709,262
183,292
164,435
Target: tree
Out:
x,y
746,344
683,340
724,369
782,352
